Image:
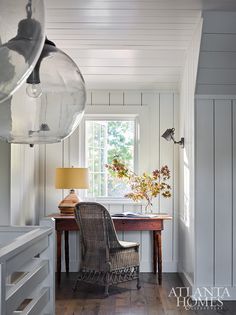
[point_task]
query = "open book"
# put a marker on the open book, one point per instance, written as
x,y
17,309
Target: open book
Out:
x,y
134,215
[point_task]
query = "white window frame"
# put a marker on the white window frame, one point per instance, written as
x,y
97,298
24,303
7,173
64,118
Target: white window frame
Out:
x,y
112,118
138,114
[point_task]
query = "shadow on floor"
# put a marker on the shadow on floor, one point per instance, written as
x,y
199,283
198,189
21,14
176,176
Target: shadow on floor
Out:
x,y
125,299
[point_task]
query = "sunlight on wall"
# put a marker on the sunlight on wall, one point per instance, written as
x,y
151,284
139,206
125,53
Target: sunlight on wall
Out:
x,y
186,214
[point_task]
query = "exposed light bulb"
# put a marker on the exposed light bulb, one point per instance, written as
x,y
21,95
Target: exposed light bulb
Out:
x,y
34,90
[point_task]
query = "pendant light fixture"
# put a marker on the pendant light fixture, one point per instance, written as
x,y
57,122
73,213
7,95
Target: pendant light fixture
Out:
x,y
50,105
22,37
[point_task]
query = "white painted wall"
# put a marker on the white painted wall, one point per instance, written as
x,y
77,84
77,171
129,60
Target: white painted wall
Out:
x,y
5,186
215,192
215,153
24,185
217,61
158,111
186,263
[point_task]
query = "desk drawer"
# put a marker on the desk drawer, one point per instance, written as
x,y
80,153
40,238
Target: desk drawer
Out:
x,y
134,224
138,225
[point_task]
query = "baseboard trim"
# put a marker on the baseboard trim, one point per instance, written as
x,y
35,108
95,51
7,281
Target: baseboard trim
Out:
x,y
167,266
231,290
185,279
194,287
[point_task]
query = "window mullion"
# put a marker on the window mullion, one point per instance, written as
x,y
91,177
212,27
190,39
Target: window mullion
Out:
x,y
101,137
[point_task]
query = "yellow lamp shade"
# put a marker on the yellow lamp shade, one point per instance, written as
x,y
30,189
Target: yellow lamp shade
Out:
x,y
72,177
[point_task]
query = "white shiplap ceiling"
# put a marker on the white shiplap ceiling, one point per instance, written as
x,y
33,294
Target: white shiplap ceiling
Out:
x,y
127,44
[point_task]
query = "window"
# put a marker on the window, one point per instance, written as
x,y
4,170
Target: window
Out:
x,y
103,140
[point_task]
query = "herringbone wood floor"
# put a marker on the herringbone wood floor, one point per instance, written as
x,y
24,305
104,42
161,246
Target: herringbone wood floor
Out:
x,y
125,299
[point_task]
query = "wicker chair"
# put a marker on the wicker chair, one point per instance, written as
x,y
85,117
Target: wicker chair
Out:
x,y
104,259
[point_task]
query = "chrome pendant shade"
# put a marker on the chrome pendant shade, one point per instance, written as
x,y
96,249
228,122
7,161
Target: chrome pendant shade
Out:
x,y
50,105
22,37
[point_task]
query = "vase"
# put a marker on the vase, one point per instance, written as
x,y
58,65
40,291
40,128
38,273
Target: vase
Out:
x,y
148,207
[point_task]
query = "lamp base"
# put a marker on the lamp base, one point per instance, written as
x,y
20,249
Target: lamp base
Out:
x,y
67,205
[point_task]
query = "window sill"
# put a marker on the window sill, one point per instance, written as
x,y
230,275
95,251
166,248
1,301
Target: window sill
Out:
x,y
114,201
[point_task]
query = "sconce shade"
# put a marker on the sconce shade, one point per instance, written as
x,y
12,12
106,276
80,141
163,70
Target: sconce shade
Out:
x,y
56,113
72,177
21,41
168,134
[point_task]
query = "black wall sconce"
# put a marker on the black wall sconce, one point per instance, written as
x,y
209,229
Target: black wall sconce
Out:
x,y
169,135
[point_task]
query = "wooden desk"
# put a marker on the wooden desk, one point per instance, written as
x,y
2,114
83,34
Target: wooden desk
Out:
x,y
66,223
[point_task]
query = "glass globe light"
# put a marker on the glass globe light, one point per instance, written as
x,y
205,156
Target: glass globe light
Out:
x,y
22,37
55,114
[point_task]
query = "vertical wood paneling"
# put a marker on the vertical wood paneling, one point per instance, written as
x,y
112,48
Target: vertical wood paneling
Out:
x,y
175,175
23,190
167,158
133,236
54,159
116,98
74,149
66,158
16,184
152,99
234,196
144,144
67,153
100,98
89,98
74,246
204,212
146,252
36,185
116,208
215,191
5,182
29,194
223,193
166,148
132,98
42,181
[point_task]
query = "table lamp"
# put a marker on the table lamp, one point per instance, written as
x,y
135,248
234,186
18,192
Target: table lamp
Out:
x,y
71,178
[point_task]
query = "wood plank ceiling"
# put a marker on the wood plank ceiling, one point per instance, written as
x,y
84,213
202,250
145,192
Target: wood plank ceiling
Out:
x,y
122,43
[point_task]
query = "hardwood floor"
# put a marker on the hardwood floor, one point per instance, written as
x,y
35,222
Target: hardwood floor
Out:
x,y
125,299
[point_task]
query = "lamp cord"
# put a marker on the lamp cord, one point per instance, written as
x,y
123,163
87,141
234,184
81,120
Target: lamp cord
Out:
x,y
29,9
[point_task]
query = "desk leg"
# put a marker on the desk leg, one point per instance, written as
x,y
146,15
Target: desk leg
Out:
x,y
157,254
66,233
59,233
154,253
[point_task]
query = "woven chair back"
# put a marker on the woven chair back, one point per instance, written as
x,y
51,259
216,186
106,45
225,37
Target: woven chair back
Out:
x,y
96,226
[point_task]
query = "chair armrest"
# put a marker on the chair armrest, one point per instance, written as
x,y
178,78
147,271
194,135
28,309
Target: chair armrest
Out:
x,y
128,244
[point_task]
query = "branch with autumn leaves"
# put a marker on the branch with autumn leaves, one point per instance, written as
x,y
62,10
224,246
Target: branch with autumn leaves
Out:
x,y
145,186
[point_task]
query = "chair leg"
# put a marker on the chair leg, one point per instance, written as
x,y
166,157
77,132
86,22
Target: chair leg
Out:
x,y
75,286
106,292
138,280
